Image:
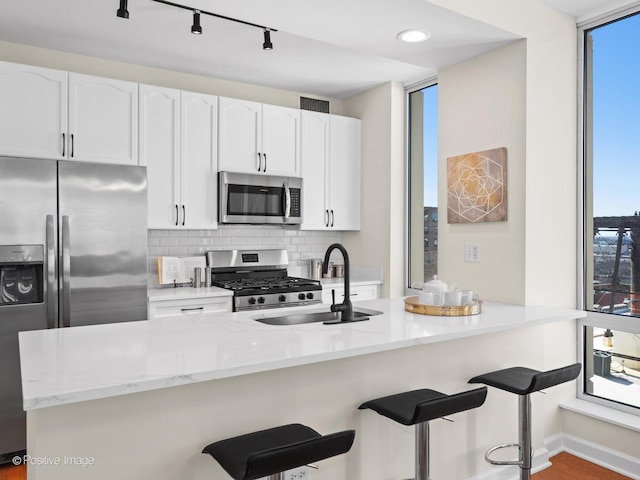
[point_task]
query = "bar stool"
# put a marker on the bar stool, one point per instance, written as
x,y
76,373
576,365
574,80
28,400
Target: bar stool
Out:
x,y
524,381
417,407
269,453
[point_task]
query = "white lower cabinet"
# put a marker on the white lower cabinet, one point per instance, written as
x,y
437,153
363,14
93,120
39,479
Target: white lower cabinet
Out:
x,y
187,308
357,293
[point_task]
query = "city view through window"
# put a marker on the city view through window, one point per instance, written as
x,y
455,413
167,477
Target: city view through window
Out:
x,y
612,209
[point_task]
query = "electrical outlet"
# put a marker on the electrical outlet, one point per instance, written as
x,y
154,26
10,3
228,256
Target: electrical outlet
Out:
x,y
472,252
306,256
300,473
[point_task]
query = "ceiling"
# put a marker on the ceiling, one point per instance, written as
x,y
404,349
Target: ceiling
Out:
x,y
329,48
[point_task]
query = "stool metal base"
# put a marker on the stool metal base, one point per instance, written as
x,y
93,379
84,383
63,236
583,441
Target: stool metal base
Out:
x,y
422,451
524,445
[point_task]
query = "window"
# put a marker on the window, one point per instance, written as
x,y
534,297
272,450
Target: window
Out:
x,y
423,184
610,336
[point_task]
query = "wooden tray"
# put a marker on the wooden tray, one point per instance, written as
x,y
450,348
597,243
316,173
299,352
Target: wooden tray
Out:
x,y
412,305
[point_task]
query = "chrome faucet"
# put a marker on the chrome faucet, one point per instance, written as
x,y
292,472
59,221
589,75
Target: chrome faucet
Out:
x,y
345,308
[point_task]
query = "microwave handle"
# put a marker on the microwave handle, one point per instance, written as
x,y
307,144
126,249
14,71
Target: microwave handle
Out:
x,y
287,202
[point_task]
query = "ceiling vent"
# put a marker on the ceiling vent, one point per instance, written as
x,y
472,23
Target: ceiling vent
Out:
x,y
314,105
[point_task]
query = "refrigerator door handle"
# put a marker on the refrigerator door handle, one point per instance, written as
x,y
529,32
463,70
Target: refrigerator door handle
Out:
x,y
66,274
52,294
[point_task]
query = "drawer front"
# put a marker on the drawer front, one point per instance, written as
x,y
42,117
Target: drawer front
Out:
x,y
361,292
182,308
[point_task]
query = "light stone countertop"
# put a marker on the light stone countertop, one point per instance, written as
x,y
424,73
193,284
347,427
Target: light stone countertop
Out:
x,y
62,366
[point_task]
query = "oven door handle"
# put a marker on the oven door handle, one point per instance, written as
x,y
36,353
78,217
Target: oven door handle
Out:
x,y
287,202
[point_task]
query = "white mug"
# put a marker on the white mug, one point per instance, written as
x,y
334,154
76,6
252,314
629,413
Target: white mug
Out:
x,y
453,298
468,297
425,298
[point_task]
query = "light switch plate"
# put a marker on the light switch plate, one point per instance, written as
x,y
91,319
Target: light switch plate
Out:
x,y
472,252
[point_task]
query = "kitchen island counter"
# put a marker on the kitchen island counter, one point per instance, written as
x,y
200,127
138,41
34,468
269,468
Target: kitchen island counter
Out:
x,y
142,399
62,366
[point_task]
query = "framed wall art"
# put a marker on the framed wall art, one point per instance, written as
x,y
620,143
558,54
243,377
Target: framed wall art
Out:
x,y
477,187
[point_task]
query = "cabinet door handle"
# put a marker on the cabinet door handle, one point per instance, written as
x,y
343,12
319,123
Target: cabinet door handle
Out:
x,y
177,215
72,145
259,162
326,218
332,218
184,215
265,162
64,144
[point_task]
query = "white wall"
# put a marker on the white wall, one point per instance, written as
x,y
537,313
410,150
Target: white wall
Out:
x,y
549,212
380,242
482,105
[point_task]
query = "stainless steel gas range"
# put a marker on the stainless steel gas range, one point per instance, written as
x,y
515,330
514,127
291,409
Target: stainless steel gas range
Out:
x,y
259,279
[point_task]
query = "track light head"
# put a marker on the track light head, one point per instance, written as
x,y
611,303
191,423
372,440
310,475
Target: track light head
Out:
x,y
267,45
196,29
122,11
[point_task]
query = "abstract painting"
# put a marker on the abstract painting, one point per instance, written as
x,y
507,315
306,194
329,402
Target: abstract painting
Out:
x,y
477,187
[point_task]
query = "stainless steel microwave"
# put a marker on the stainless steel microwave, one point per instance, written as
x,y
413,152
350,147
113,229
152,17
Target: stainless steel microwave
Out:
x,y
259,199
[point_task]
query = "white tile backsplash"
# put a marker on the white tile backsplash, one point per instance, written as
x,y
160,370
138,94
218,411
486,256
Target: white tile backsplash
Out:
x,y
301,245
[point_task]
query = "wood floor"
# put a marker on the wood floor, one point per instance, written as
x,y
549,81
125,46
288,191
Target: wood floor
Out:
x,y
568,467
565,467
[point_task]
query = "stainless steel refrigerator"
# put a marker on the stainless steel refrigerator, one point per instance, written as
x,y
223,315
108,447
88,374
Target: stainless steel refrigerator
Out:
x,y
73,251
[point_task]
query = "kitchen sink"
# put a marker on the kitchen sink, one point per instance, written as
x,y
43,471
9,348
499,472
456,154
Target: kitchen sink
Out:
x,y
316,316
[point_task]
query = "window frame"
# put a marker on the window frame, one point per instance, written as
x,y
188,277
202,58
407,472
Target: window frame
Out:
x,y
408,90
593,319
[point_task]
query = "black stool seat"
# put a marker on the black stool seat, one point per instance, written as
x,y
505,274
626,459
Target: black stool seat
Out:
x,y
417,406
522,380
276,450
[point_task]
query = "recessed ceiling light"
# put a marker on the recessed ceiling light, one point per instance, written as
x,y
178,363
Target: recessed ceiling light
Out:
x,y
414,36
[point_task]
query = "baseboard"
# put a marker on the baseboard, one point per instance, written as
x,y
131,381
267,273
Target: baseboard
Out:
x,y
592,452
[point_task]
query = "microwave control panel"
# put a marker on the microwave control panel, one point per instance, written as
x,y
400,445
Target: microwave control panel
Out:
x,y
295,203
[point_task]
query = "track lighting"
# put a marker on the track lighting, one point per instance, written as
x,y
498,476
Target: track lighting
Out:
x,y
196,29
122,11
267,45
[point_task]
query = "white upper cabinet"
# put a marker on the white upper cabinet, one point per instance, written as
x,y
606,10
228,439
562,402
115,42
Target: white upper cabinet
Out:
x,y
330,163
344,173
314,139
178,146
257,138
199,160
103,120
33,111
53,114
281,140
160,153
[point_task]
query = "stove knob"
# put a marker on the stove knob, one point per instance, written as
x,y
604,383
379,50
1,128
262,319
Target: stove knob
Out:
x,y
252,301
310,296
301,296
282,298
260,299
